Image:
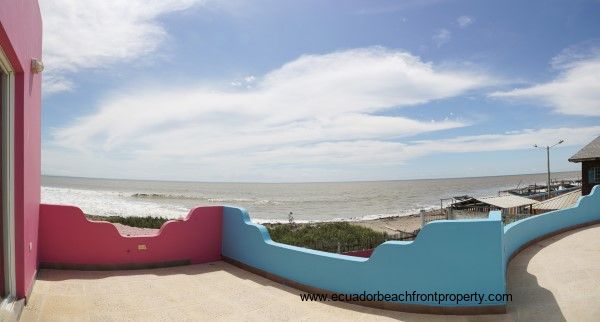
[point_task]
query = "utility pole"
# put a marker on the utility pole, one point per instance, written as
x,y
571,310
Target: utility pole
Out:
x,y
548,162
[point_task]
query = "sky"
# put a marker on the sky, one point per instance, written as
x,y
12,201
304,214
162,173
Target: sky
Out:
x,y
316,90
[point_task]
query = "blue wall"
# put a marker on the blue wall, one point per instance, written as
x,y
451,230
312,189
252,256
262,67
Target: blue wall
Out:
x,y
461,256
521,232
447,257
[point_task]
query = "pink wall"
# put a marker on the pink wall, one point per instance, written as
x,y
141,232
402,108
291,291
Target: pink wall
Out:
x,y
67,237
21,39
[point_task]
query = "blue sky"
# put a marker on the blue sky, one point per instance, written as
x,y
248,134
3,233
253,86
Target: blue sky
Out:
x,y
316,90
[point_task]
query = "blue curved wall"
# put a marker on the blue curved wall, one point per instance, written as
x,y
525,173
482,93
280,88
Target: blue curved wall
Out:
x,y
460,256
522,232
447,257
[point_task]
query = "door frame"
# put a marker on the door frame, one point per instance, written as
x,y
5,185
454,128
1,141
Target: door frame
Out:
x,y
8,179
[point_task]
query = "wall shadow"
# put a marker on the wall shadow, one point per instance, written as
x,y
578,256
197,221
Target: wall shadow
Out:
x,y
241,274
531,301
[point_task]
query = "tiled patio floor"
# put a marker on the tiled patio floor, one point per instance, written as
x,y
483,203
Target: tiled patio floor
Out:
x,y
554,280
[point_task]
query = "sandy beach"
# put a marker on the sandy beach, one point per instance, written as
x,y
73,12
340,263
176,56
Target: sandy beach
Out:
x,y
135,231
390,225
393,225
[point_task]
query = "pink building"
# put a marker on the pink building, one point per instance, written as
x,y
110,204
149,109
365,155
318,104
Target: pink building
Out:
x,y
20,97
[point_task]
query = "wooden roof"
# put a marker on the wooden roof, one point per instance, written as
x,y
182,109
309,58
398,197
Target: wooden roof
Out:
x,y
502,202
566,200
507,201
589,152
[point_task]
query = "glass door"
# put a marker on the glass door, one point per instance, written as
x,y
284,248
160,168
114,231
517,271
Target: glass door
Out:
x,y
7,240
3,80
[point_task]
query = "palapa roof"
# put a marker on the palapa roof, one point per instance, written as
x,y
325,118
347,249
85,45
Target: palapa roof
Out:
x,y
508,201
589,152
566,200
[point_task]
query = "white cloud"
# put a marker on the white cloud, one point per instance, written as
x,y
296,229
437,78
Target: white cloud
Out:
x,y
313,101
580,52
464,21
514,140
386,152
312,93
576,91
342,160
442,37
56,83
95,33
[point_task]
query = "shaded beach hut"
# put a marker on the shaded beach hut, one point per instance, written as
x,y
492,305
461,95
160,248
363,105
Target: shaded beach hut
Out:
x,y
508,204
589,156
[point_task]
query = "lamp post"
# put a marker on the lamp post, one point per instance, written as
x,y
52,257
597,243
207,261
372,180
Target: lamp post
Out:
x,y
548,161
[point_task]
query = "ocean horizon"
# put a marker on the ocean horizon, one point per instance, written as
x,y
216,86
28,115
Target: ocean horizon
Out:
x,y
273,202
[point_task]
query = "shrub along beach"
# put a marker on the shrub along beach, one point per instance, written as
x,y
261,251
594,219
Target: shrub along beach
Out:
x,y
341,236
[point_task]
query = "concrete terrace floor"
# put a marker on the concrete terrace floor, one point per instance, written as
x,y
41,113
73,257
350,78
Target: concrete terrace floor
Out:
x,y
556,279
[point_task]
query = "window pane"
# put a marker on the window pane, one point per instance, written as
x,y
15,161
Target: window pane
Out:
x,y
594,175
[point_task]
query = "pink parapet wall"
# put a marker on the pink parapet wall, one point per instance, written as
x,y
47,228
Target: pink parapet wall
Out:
x,y
67,238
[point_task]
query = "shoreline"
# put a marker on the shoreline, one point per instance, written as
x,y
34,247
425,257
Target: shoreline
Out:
x,y
407,213
386,201
393,224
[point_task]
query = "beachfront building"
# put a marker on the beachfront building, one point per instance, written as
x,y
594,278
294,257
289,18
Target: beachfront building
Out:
x,y
481,206
20,97
540,192
589,156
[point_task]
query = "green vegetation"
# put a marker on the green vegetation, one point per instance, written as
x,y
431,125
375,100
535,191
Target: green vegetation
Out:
x,y
330,237
141,222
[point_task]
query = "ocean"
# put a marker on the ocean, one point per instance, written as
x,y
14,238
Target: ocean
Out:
x,y
272,202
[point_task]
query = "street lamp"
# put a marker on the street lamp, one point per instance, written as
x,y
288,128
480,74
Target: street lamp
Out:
x,y
548,161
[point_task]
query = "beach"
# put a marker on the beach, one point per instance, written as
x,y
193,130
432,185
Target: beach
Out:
x,y
391,207
390,225
397,224
387,201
